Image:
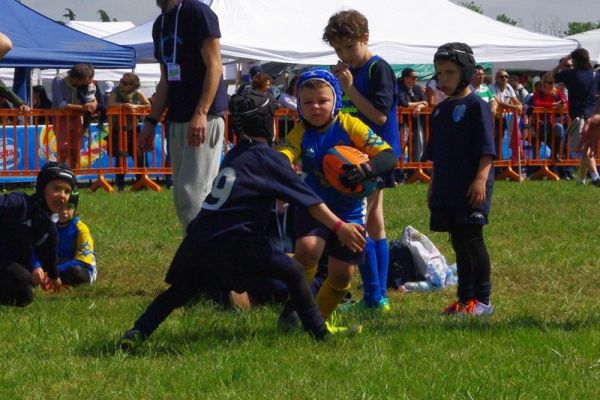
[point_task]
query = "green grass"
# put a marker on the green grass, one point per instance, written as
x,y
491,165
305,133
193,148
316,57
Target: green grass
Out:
x,y
542,343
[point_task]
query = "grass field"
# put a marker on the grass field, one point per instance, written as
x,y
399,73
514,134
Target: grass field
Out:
x,y
543,342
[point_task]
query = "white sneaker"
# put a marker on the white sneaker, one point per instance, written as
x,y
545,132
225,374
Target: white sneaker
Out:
x,y
476,309
483,309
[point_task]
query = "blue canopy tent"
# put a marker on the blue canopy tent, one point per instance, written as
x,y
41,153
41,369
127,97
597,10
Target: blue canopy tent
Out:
x,y
40,42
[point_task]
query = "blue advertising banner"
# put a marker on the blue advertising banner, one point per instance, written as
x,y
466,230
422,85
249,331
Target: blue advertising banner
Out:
x,y
94,152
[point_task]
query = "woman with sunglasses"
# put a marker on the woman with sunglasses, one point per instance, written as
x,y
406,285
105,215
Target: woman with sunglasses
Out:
x,y
553,100
129,97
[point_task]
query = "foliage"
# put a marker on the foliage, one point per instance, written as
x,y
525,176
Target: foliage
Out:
x,y
70,15
574,28
542,342
471,5
506,19
103,16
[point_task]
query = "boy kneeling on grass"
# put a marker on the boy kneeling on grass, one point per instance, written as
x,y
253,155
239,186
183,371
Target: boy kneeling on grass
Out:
x,y
226,245
29,224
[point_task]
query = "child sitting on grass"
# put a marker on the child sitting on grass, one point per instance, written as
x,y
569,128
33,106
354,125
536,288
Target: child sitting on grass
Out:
x,y
76,257
226,245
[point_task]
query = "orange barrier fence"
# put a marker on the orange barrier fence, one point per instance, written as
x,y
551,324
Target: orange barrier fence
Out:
x,y
28,140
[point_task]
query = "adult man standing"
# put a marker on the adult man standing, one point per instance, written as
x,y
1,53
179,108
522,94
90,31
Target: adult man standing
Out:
x,y
186,42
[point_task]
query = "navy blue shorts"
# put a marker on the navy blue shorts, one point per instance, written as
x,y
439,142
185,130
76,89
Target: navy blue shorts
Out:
x,y
446,219
306,225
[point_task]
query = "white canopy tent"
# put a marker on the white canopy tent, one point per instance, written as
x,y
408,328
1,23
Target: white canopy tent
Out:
x,y
290,31
590,41
100,29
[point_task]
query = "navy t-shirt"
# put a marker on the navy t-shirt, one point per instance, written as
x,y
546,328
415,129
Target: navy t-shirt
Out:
x,y
196,23
377,83
461,132
252,176
582,90
406,95
25,227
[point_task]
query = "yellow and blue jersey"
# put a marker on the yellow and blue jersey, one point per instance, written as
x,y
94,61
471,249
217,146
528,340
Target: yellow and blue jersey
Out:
x,y
76,247
310,146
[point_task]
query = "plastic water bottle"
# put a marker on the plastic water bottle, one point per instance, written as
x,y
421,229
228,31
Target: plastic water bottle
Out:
x,y
420,286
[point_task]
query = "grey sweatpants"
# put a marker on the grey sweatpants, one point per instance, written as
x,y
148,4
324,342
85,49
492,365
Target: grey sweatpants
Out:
x,y
194,168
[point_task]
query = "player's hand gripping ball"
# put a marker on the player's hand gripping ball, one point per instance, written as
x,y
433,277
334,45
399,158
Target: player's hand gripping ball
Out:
x,y
341,167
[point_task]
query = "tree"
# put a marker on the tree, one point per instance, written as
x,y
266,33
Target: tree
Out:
x,y
472,6
506,19
70,15
574,28
103,16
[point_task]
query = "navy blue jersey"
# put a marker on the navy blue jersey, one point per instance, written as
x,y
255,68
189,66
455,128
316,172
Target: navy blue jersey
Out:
x,y
461,132
377,83
582,90
196,22
252,176
25,227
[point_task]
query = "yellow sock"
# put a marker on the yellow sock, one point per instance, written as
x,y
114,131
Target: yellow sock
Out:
x,y
329,298
310,273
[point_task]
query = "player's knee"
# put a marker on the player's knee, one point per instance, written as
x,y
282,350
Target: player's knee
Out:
x,y
24,296
306,254
340,275
75,276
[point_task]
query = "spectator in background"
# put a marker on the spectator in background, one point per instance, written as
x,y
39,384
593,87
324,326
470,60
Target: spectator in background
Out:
x,y
591,131
434,95
508,103
102,97
288,98
504,93
551,98
520,91
66,95
261,83
5,45
128,96
255,70
40,101
581,84
12,97
411,95
8,100
483,90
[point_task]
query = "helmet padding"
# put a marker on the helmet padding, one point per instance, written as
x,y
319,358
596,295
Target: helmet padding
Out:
x,y
460,54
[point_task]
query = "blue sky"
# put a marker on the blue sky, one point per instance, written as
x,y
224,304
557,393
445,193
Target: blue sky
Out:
x,y
530,14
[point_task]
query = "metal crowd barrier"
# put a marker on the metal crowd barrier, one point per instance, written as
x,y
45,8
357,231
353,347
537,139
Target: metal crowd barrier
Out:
x,y
27,141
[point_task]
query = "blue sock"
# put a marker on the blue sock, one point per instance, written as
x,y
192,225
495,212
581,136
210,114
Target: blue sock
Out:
x,y
383,260
368,274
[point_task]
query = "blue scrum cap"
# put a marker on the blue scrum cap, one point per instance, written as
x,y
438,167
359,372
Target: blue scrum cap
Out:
x,y
329,79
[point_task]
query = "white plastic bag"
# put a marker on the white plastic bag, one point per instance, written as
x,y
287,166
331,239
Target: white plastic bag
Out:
x,y
428,260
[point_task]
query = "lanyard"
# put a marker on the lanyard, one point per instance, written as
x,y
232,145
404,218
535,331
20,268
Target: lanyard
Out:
x,y
162,24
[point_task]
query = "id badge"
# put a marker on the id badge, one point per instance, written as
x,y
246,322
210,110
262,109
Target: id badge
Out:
x,y
173,72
